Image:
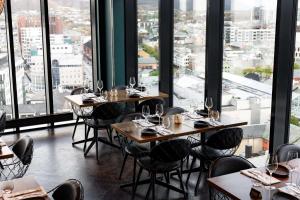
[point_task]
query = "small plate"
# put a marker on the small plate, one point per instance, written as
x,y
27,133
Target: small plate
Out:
x,y
153,119
134,96
203,113
148,132
201,124
281,172
141,88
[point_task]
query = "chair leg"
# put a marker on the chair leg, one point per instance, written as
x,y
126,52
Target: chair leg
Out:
x,y
86,137
150,187
123,165
96,140
136,183
198,179
153,185
189,174
109,133
181,183
76,123
167,177
134,172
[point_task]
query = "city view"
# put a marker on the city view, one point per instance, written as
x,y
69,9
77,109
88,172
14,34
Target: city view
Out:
x,y
249,38
70,48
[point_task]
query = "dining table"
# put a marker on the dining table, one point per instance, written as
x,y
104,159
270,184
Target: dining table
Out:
x,y
237,186
5,151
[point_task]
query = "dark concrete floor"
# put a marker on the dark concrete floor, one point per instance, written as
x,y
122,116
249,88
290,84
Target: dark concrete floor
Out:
x,y
55,160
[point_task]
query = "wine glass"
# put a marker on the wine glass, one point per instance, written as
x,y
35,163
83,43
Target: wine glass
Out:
x,y
271,167
159,111
86,86
193,106
215,115
209,104
166,122
100,86
7,186
145,112
132,82
291,156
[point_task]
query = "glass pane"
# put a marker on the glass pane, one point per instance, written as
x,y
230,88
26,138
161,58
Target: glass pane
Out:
x,y
5,93
148,43
249,38
71,48
295,103
26,20
189,52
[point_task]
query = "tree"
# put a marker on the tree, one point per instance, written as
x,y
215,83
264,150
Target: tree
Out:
x,y
296,66
294,120
150,50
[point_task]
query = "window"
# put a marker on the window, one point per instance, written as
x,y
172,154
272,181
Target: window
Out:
x,y
26,21
249,37
71,48
189,52
148,43
295,102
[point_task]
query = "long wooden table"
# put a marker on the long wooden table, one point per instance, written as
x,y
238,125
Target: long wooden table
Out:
x,y
238,186
5,152
122,97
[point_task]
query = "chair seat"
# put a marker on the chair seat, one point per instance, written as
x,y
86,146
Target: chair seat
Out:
x,y
157,166
98,123
136,150
84,115
206,153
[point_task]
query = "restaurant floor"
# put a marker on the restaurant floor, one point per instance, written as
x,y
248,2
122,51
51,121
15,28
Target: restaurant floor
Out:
x,y
55,160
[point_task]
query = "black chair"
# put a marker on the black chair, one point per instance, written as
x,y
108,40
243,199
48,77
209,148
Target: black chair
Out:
x,y
222,143
282,151
17,166
101,118
164,158
2,122
283,196
174,111
81,113
223,166
151,103
71,189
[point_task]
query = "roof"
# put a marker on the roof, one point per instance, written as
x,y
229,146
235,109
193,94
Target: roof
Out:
x,y
88,44
147,60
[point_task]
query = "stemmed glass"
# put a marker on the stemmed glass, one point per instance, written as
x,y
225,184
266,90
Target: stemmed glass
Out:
x,y
209,104
132,82
146,112
166,122
100,86
159,111
271,167
291,156
215,115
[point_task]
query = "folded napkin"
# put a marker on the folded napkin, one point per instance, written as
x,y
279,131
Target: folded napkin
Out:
x,y
100,99
143,123
294,191
3,144
192,115
260,176
163,131
26,194
89,95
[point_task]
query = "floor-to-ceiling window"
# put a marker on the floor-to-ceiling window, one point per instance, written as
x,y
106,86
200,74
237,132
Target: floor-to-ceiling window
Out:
x,y
249,38
29,65
295,101
189,52
148,43
71,48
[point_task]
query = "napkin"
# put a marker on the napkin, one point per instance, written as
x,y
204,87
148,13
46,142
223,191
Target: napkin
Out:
x,y
163,131
100,99
260,176
143,123
3,144
192,115
26,194
291,190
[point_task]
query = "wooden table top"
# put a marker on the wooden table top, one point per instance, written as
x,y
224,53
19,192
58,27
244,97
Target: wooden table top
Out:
x,y
25,183
238,186
133,132
122,97
5,152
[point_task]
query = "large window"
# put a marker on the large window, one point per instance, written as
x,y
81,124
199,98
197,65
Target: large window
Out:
x,y
30,80
148,43
249,37
189,52
71,48
295,102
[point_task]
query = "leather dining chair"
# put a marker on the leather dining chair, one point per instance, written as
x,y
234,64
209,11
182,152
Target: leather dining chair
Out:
x,y
282,151
71,189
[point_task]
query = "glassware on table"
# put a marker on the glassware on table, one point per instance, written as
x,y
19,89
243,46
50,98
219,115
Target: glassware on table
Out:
x,y
146,112
215,115
193,106
159,111
105,95
100,86
132,82
166,122
136,118
208,105
291,156
86,86
271,167
7,186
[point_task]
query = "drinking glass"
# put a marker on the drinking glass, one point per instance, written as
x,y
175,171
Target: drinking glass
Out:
x,y
215,115
100,85
145,112
193,106
159,111
209,104
86,86
291,156
271,167
105,95
166,122
7,186
132,82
